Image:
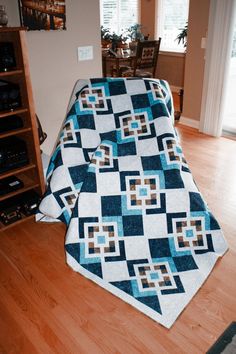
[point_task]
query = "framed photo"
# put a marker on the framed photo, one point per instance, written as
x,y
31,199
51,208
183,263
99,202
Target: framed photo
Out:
x,y
43,14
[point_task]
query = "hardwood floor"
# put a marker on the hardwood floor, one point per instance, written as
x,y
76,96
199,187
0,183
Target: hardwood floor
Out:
x,y
45,307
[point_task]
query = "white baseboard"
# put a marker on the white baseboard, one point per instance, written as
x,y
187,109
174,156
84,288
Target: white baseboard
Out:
x,y
175,88
189,122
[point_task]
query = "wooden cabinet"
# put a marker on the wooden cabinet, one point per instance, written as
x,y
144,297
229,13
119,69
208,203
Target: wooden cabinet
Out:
x,y
31,173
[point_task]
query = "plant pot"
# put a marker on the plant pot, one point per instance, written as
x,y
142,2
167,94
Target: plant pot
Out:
x,y
105,44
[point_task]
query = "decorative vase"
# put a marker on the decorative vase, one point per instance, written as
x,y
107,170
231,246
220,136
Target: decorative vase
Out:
x,y
3,16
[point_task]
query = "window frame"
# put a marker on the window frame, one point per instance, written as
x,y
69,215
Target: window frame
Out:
x,y
158,29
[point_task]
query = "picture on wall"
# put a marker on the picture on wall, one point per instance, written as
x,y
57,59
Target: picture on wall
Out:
x,y
43,14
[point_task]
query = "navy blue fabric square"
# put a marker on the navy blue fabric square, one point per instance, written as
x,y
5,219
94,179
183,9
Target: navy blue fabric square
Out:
x,y
78,175
72,111
184,263
159,248
151,301
90,183
98,80
151,163
133,225
140,101
111,205
117,88
196,202
173,179
159,110
74,250
124,285
86,121
94,268
108,136
126,149
213,223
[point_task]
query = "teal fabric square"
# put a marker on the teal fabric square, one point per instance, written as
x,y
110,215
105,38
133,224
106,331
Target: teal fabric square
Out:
x,y
101,240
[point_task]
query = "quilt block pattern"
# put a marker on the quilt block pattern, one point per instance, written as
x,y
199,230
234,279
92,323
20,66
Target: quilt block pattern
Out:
x,y
137,223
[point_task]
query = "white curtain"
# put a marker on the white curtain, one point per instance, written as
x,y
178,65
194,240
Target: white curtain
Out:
x,y
218,52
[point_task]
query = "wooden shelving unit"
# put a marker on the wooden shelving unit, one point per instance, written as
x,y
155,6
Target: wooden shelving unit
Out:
x,y
19,111
31,174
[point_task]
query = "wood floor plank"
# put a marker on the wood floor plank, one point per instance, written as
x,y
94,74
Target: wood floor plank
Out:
x,y
17,341
54,305
46,307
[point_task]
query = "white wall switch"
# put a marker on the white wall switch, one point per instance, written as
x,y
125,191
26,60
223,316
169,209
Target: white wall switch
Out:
x,y
85,53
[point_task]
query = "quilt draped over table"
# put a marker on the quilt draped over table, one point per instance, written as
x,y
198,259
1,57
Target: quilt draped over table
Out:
x,y
137,224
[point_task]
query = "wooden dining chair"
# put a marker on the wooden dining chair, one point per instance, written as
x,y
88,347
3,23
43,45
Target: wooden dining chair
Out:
x,y
145,61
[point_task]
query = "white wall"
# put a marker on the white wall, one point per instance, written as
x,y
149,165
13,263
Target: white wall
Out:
x,y
53,61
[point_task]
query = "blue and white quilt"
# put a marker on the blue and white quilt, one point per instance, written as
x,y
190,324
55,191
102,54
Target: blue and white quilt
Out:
x,y
137,224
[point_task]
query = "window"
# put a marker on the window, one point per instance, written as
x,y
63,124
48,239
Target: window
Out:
x,y
118,15
172,16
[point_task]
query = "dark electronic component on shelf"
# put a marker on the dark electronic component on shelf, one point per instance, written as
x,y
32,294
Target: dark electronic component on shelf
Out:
x,y
13,153
10,184
10,98
9,211
10,123
14,208
7,56
10,215
29,202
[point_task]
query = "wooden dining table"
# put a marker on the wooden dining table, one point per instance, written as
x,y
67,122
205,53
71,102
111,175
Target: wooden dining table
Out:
x,y
115,61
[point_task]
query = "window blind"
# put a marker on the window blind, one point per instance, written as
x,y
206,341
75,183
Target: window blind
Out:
x,y
118,15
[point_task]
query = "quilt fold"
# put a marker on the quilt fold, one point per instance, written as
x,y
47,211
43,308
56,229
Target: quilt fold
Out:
x,y
137,224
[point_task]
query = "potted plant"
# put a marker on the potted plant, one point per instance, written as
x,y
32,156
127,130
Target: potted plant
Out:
x,y
118,40
105,37
135,34
182,36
